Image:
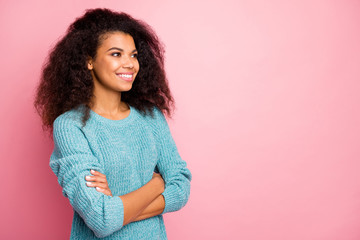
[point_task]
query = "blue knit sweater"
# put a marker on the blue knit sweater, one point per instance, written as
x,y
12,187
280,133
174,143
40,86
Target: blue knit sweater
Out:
x,y
127,151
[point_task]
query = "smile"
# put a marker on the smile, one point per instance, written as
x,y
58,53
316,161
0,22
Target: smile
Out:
x,y
125,76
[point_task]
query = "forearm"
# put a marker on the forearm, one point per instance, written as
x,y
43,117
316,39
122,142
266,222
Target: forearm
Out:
x,y
155,208
137,201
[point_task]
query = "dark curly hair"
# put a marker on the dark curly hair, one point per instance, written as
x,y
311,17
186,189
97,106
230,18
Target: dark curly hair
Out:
x,y
66,82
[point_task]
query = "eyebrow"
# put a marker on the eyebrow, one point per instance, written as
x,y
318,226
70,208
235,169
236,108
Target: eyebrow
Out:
x,y
121,50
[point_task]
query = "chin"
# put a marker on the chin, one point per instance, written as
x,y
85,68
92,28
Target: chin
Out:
x,y
125,89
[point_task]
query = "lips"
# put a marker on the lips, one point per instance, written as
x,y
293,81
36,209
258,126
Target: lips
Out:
x,y
126,76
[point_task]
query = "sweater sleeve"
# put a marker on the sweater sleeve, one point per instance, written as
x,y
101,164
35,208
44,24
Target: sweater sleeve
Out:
x,y
71,161
172,168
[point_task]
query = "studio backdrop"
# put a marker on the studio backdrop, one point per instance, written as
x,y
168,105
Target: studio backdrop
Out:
x,y
267,117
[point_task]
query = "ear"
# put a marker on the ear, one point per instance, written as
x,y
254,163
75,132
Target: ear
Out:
x,y
90,63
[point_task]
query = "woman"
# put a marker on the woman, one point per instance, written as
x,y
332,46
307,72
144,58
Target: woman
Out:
x,y
103,93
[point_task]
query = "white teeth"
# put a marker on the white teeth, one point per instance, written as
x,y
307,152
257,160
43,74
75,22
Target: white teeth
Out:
x,y
125,75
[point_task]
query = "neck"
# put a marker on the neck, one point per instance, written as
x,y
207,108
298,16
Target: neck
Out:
x,y
108,104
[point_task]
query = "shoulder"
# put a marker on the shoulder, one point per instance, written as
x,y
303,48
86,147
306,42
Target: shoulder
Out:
x,y
69,133
155,120
158,114
69,121
72,117
153,117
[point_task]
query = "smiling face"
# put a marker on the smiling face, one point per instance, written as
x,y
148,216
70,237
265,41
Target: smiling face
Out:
x,y
115,65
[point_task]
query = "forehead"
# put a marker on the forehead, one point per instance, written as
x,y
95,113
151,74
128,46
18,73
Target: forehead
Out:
x,y
116,39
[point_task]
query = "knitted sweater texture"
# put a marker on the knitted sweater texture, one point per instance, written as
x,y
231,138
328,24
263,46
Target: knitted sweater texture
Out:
x,y
127,151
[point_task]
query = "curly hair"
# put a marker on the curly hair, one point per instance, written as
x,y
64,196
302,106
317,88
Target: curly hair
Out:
x,y
66,82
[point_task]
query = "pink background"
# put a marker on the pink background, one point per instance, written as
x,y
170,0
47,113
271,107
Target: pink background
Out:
x,y
267,116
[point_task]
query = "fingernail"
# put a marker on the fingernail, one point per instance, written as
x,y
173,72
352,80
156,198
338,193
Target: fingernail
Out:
x,y
88,178
92,171
89,183
99,189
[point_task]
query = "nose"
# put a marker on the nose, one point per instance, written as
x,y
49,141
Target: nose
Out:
x,y
128,63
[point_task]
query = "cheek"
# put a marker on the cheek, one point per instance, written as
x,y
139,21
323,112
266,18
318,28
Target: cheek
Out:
x,y
107,64
113,65
137,65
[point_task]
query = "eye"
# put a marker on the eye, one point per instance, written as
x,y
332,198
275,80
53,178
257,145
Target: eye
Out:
x,y
135,55
116,54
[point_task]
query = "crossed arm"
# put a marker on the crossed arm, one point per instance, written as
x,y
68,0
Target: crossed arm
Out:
x,y
103,214
140,204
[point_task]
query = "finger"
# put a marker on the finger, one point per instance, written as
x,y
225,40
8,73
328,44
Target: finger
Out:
x,y
95,179
96,184
97,173
105,191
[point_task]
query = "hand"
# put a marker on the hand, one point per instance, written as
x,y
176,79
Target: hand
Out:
x,y
158,176
99,182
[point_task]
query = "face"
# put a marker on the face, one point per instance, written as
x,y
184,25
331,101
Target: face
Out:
x,y
115,66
